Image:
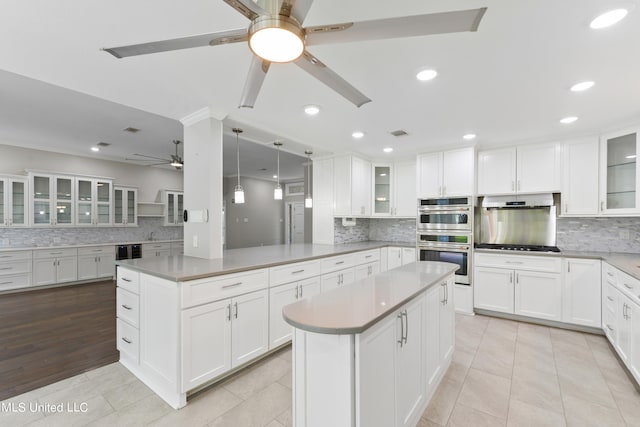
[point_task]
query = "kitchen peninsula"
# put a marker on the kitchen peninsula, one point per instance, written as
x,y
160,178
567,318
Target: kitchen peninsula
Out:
x,y
186,322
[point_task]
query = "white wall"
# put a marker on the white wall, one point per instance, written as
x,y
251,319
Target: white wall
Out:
x,y
149,180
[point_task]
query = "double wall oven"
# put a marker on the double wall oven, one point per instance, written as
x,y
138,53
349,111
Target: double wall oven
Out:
x,y
445,233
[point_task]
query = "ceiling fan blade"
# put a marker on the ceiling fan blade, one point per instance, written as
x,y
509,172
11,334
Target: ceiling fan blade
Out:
x,y
296,8
246,7
320,71
389,28
257,72
150,157
210,39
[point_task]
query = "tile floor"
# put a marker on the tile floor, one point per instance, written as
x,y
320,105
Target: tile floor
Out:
x,y
503,373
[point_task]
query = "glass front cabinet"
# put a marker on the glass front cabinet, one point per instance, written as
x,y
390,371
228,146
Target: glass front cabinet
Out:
x,y
93,202
619,183
382,190
174,206
52,200
125,206
13,201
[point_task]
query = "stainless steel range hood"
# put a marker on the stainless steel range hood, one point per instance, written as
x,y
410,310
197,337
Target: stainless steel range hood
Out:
x,y
519,201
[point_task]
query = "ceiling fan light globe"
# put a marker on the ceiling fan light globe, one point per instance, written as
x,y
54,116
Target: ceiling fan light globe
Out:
x,y
276,39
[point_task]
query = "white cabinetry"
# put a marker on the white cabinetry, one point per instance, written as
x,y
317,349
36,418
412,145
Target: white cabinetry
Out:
x,y
394,189
408,255
619,177
176,248
538,294
125,206
93,201
352,186
150,250
13,201
52,199
128,314
581,292
523,169
439,333
493,289
394,257
367,270
279,296
15,269
337,279
249,331
55,266
174,206
446,174
580,178
95,261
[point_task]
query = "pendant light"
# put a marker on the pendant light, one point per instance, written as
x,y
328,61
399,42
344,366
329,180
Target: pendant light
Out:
x,y
308,201
238,194
277,192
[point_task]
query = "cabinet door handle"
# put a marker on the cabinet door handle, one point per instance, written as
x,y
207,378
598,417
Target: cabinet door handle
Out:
x,y
297,291
236,306
126,307
125,339
609,298
233,285
601,206
301,288
406,328
339,262
510,277
568,266
229,312
517,278
124,279
566,208
401,341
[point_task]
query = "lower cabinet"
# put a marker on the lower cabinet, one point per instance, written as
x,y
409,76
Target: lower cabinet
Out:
x,y
493,289
55,266
394,257
408,255
95,262
538,294
280,331
367,270
221,335
440,329
336,279
581,292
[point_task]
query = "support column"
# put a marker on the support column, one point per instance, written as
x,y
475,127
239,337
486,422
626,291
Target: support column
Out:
x,y
203,185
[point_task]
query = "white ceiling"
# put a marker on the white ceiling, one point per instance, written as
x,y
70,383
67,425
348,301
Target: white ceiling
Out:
x,y
508,82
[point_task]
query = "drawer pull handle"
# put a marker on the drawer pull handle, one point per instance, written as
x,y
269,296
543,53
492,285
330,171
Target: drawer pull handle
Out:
x,y
297,271
6,268
609,274
5,283
233,285
368,256
126,280
128,341
513,262
5,256
339,262
609,327
609,298
55,253
627,286
126,307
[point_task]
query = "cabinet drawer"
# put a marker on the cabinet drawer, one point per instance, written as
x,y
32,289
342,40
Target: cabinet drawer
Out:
x,y
608,273
129,280
15,255
609,325
293,272
629,286
97,250
54,253
15,282
548,264
155,246
127,340
608,298
202,291
336,263
15,267
366,256
128,306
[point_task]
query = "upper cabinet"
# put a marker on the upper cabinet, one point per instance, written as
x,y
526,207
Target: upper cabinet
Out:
x,y
93,205
523,169
52,200
13,201
446,174
125,206
394,189
174,205
352,178
618,173
579,181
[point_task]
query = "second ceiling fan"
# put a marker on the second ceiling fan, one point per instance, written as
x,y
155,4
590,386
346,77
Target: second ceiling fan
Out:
x,y
277,35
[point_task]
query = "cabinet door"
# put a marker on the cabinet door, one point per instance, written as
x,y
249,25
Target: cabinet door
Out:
x,y
44,271
458,172
279,330
87,267
623,335
361,187
41,197
18,203
375,373
538,168
3,202
348,276
447,323
408,255
581,296
84,198
103,202
68,269
394,257
580,179
429,175
409,366
63,201
497,171
362,271
105,265
619,174
179,208
309,287
382,190
404,189
206,343
119,207
538,295
633,312
249,331
170,213
330,281
131,212
493,289
434,299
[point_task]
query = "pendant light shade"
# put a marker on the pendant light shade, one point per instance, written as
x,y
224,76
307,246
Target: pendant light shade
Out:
x,y
238,193
277,192
308,201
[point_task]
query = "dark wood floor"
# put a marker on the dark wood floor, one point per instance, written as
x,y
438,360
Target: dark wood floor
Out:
x,y
52,334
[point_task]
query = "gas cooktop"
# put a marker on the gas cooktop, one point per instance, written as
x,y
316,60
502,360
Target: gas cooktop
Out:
x,y
524,248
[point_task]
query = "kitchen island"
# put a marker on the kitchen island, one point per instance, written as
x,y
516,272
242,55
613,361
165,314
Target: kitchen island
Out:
x,y
372,354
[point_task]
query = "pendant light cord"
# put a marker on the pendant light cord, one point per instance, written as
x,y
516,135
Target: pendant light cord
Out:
x,y
238,131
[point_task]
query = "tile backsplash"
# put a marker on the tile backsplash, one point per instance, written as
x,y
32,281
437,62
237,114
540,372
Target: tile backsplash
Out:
x,y
599,234
357,233
382,229
27,237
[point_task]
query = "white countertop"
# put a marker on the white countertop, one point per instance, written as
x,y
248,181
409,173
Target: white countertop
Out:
x,y
353,309
182,268
83,245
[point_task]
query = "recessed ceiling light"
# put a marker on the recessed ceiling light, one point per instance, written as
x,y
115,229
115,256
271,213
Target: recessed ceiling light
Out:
x,y
388,150
607,19
425,75
568,120
631,156
312,110
579,87
469,136
357,134
275,176
96,149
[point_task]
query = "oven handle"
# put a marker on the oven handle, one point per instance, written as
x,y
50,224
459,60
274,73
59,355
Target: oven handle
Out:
x,y
443,210
446,248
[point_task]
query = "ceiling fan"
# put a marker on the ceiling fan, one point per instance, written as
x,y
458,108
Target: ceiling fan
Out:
x,y
175,160
277,35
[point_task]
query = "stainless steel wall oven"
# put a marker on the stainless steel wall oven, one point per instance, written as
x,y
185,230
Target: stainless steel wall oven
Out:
x,y
453,247
445,214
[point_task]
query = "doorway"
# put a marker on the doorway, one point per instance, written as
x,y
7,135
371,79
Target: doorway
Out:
x,y
294,222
